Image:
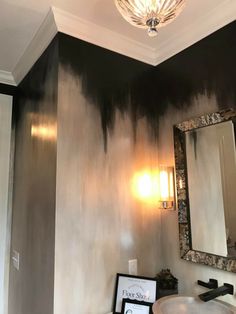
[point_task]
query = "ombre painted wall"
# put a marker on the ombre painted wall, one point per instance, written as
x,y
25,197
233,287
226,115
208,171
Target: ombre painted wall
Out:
x,y
100,225
31,288
114,117
210,66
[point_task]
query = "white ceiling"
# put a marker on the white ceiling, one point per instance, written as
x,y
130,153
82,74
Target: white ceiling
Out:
x,y
27,26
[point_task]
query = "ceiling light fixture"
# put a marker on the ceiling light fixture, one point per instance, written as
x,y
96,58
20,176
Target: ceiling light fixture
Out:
x,y
150,14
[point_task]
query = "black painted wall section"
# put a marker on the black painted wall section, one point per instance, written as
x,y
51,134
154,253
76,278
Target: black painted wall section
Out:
x,y
33,222
8,89
111,81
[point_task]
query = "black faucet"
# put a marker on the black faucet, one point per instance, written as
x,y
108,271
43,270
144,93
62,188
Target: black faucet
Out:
x,y
212,294
212,284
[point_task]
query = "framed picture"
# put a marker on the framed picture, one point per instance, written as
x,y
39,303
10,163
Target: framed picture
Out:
x,y
135,288
136,307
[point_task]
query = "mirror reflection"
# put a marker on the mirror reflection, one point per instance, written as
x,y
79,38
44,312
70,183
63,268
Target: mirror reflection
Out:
x,y
211,170
205,180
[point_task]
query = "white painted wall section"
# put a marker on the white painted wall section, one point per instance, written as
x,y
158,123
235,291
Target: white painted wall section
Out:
x,y
5,145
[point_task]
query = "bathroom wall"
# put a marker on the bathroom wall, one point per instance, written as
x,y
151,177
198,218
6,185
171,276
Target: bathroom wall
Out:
x,y
188,273
115,117
5,210
33,220
100,225
209,67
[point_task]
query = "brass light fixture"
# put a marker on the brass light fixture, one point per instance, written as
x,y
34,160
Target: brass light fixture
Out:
x,y
150,14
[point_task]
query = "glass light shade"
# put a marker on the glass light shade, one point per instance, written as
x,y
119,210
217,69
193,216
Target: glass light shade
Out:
x,y
155,186
149,14
166,178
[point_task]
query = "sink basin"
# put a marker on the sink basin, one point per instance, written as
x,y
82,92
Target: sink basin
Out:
x,y
191,305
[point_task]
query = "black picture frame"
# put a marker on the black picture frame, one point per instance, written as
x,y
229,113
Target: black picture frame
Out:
x,y
139,304
135,288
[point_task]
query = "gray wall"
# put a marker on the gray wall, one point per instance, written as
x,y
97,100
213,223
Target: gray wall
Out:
x,y
5,209
33,221
187,272
99,224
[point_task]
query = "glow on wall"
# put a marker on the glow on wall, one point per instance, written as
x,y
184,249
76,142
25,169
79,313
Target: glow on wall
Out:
x,y
154,186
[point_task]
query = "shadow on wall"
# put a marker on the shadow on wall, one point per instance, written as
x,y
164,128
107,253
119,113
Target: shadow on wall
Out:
x,y
111,81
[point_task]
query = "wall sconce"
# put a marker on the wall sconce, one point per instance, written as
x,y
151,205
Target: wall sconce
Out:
x,y
155,187
166,186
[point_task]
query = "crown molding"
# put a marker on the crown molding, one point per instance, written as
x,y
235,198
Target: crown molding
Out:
x,y
58,20
200,28
203,26
37,46
101,36
7,78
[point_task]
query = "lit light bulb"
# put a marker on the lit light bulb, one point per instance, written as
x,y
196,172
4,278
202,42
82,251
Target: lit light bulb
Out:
x,y
145,186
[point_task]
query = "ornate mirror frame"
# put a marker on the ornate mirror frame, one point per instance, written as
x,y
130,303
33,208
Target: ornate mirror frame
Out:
x,y
186,251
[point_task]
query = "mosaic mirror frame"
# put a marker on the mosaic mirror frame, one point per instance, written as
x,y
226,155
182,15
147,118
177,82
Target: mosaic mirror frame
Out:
x,y
186,251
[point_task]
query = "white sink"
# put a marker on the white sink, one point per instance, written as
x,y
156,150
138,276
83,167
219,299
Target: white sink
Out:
x,y
176,304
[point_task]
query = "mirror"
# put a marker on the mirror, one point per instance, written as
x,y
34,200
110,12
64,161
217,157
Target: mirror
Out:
x,y
211,170
205,160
